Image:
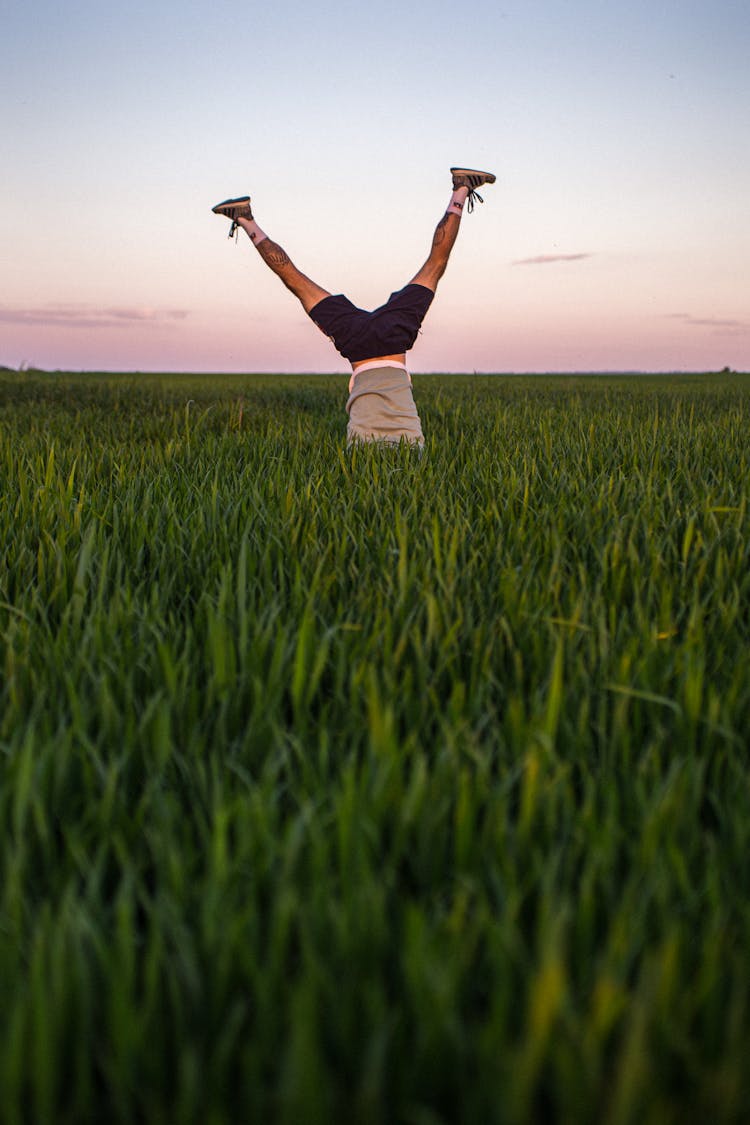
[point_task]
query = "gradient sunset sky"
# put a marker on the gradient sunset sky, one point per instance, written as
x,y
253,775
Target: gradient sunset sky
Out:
x,y
617,236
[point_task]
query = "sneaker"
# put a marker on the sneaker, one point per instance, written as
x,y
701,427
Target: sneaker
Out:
x,y
234,209
471,178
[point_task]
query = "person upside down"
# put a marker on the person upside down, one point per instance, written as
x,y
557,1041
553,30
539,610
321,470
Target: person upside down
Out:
x,y
381,405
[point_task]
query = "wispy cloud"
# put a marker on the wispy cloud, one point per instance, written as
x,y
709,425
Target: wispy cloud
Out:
x,y
89,316
721,325
545,259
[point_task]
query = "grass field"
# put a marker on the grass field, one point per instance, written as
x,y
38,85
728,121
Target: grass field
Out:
x,y
358,787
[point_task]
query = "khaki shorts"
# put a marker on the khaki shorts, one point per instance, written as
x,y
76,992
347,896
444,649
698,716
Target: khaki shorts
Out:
x,y
381,408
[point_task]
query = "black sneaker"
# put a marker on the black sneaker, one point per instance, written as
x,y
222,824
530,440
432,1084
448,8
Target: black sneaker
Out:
x,y
471,178
234,209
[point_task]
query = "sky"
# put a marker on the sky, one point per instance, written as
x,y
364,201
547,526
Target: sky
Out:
x,y
616,238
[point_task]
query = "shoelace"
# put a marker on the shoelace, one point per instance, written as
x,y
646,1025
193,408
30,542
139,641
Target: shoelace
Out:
x,y
470,199
233,230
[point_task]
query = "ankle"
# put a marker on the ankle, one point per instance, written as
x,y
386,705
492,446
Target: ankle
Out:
x,y
253,231
458,198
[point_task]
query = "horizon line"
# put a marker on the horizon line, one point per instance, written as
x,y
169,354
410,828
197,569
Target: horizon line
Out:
x,y
31,370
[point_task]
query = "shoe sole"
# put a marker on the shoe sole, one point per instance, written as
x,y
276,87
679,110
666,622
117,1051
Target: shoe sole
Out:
x,y
219,209
487,177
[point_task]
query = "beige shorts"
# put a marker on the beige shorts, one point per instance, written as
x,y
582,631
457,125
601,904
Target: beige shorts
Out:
x,y
381,408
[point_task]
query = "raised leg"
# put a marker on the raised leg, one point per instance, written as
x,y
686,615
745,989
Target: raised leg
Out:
x,y
279,261
443,241
465,184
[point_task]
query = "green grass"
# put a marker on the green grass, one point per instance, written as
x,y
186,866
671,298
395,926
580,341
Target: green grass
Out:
x,y
358,787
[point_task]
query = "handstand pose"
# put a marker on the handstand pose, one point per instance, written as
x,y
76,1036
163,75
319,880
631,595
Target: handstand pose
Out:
x,y
381,405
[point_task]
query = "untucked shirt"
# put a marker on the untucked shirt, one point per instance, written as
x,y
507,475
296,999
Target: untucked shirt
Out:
x,y
381,404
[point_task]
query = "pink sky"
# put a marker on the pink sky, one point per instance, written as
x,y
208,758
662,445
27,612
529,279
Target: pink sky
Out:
x,y
615,238
555,324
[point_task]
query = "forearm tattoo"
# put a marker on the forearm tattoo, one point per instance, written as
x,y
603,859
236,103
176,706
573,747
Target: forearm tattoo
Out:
x,y
276,257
